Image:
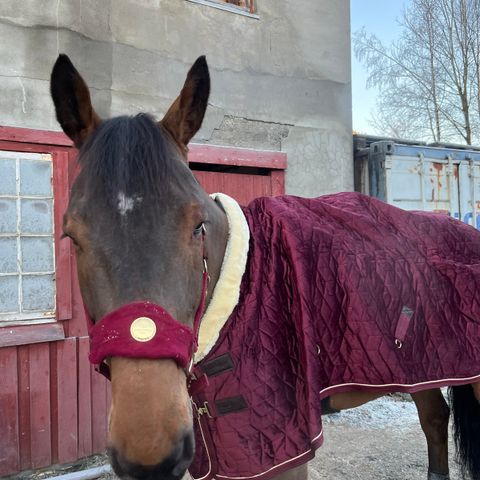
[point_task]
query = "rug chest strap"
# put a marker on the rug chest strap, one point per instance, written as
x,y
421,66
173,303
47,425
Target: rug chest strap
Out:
x,y
199,382
219,408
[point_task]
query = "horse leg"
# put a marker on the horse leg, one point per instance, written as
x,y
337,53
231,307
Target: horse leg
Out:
x,y
346,400
476,391
297,473
433,413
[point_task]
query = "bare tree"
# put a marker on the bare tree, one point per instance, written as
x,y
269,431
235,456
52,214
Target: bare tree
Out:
x,y
429,79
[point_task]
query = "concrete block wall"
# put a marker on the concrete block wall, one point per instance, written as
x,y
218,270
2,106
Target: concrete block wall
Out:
x,y
280,81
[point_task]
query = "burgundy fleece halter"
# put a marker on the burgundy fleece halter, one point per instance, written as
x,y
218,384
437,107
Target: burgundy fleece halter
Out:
x,y
146,330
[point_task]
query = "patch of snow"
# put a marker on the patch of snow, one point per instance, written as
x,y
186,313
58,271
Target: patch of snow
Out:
x,y
384,412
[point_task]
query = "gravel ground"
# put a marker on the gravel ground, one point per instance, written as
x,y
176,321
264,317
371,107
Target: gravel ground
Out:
x,y
381,440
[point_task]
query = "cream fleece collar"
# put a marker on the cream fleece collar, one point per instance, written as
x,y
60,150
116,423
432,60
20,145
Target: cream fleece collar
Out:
x,y
227,290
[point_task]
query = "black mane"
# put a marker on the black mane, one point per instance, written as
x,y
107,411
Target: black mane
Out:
x,y
133,155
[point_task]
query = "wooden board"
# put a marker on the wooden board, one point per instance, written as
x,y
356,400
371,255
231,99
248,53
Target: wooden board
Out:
x,y
84,399
66,393
243,187
10,447
24,406
40,420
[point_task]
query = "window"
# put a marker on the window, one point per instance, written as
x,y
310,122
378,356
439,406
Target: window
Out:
x,y
27,258
245,4
244,7
36,296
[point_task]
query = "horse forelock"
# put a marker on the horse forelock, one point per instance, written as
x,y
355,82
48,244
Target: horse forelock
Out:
x,y
131,158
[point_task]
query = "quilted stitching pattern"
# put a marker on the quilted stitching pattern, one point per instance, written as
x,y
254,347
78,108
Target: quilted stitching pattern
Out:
x,y
325,285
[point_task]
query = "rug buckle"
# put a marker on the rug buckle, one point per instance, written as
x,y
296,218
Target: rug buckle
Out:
x,y
202,410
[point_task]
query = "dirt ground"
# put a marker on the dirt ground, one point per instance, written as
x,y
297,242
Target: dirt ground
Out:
x,y
381,440
378,441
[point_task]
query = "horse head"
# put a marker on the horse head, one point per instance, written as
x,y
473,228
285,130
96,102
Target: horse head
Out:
x,y
143,229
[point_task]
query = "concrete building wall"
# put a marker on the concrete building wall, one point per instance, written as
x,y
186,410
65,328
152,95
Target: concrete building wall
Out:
x,y
280,81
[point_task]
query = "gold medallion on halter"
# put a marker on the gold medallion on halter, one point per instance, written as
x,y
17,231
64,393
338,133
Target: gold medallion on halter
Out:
x,y
143,329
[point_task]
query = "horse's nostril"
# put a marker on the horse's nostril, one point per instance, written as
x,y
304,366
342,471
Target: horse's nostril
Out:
x,y
171,468
179,460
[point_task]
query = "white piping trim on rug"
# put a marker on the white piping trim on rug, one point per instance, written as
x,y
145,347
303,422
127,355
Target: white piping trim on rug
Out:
x,y
286,462
208,453
275,467
441,383
227,290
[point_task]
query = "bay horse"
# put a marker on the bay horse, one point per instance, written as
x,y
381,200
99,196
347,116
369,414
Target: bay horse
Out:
x,y
147,235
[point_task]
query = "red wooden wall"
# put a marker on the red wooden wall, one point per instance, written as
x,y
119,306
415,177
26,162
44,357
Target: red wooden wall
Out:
x,y
53,406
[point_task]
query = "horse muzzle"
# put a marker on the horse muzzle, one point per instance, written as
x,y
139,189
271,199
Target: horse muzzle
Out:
x,y
171,468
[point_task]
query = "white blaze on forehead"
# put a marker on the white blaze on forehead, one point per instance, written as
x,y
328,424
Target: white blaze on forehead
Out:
x,y
126,204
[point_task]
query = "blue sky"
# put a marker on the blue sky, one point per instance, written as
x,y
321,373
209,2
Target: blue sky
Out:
x,y
378,17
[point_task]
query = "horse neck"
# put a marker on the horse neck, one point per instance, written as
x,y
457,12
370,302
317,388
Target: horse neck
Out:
x,y
216,242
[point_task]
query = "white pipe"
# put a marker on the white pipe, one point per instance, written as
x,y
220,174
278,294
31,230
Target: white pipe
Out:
x,y
85,474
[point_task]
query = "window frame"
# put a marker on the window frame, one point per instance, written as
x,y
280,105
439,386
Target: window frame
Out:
x,y
229,7
61,149
25,315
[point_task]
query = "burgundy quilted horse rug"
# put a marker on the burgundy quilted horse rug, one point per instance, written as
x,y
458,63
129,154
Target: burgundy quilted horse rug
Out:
x,y
311,299
320,296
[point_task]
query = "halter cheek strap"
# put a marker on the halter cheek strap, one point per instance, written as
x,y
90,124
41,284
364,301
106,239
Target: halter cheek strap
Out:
x,y
146,330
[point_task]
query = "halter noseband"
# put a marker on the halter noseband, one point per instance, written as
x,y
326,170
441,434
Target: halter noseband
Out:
x,y
146,330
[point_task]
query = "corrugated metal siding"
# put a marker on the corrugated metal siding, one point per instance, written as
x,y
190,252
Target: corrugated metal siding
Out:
x,y
418,177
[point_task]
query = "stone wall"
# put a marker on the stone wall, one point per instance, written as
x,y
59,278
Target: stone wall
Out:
x,y
280,81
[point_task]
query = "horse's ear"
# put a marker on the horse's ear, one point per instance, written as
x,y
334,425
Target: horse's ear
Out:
x,y
184,118
72,101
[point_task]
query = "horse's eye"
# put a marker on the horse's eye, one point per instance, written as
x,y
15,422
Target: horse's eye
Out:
x,y
198,230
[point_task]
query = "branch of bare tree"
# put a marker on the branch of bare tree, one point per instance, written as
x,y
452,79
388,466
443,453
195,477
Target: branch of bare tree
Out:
x,y
429,80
